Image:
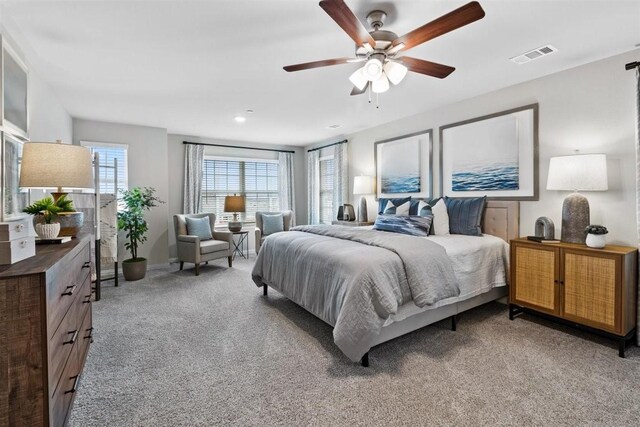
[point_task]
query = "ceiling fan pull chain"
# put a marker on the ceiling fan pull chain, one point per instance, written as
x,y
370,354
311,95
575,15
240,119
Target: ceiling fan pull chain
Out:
x,y
369,93
377,101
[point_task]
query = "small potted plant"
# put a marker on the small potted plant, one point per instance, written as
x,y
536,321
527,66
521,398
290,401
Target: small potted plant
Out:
x,y
45,214
70,220
131,220
596,236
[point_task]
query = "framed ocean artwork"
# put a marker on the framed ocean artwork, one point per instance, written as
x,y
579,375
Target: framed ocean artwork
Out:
x,y
404,166
494,156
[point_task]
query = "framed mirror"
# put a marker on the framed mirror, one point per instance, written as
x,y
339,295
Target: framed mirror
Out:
x,y
15,79
13,198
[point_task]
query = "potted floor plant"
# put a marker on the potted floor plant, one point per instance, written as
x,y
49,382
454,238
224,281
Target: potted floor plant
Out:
x,y
45,214
131,220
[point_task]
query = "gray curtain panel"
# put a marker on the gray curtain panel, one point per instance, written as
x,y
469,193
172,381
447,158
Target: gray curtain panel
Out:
x,y
638,180
286,187
340,177
313,178
193,158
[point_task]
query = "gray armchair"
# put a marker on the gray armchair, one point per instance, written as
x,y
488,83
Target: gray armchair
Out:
x,y
286,219
192,249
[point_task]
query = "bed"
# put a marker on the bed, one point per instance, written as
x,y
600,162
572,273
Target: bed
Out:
x,y
374,286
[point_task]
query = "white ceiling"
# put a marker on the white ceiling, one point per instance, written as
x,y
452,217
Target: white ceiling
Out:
x,y
191,66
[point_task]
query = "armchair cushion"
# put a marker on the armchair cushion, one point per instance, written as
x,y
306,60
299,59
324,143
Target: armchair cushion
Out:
x,y
210,246
272,224
199,227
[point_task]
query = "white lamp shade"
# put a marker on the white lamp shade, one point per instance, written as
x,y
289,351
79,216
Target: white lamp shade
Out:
x,y
582,172
395,72
380,85
362,185
358,79
50,164
372,69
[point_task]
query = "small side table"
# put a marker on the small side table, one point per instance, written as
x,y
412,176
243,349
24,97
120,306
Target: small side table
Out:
x,y
352,223
239,246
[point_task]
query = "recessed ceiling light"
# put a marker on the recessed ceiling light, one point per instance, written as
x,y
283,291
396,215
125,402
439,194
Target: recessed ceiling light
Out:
x,y
333,126
240,119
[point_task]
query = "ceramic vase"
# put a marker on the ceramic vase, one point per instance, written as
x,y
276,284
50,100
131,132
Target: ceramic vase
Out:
x,y
596,240
48,231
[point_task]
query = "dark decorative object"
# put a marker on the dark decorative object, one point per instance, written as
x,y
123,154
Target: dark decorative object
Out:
x,y
346,213
545,228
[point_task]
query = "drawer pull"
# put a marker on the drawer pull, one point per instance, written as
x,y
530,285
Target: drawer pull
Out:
x,y
90,336
73,338
69,290
76,379
86,264
23,244
19,227
88,299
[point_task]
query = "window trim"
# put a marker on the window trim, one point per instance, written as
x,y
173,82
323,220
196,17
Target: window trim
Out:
x,y
125,146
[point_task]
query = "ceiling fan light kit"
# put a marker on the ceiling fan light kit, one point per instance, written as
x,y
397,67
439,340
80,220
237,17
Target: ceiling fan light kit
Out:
x,y
380,48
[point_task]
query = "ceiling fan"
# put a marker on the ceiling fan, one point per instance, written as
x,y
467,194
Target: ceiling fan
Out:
x,y
380,49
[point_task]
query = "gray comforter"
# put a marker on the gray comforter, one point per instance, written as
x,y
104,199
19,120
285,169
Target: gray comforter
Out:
x,y
354,279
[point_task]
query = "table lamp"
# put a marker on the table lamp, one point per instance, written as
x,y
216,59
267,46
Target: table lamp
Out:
x,y
580,172
362,185
234,204
56,165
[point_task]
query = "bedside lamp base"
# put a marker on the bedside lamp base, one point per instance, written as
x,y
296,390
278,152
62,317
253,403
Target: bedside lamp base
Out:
x,y
575,219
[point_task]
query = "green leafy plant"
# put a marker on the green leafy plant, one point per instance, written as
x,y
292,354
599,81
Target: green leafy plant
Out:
x,y
50,208
596,229
131,218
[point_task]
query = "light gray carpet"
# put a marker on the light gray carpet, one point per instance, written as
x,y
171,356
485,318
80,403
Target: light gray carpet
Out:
x,y
179,350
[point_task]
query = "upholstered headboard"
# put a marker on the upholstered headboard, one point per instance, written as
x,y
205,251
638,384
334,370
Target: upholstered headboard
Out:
x,y
502,219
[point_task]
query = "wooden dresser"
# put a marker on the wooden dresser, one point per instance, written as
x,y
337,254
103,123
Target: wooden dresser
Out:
x,y
594,289
45,332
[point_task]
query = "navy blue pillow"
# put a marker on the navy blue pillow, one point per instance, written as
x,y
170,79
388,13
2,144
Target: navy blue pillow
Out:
x,y
382,203
465,215
424,211
412,225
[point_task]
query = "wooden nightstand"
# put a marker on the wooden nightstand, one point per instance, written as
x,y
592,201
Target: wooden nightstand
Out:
x,y
351,223
592,289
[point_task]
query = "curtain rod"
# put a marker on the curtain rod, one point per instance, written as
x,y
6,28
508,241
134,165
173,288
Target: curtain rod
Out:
x,y
631,65
238,146
327,146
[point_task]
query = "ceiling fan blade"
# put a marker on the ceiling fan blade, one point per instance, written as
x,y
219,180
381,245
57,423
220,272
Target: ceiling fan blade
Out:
x,y
346,19
317,64
356,91
426,67
460,17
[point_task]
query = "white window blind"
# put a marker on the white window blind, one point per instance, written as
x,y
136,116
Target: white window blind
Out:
x,y
257,180
113,166
326,190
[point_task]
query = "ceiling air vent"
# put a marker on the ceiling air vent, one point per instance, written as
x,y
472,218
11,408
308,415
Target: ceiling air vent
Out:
x,y
534,54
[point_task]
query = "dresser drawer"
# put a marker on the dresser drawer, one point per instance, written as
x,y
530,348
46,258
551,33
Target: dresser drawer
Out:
x,y
68,334
85,337
64,394
64,285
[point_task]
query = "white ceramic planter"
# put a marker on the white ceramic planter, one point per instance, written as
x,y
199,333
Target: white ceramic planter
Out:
x,y
597,241
48,231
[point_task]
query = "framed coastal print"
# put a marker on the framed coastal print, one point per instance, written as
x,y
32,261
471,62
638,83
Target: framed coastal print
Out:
x,y
14,199
404,166
494,156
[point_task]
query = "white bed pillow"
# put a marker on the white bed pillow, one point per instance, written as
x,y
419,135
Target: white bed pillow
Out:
x,y
440,219
392,209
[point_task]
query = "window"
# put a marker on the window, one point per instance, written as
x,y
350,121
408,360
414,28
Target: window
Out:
x,y
113,165
326,190
257,180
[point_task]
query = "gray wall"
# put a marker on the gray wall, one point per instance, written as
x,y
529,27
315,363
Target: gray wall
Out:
x,y
147,168
176,166
590,108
